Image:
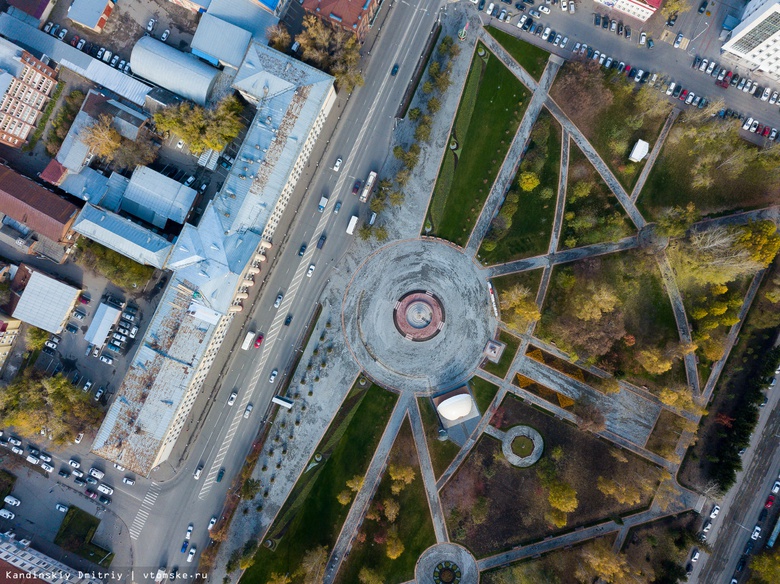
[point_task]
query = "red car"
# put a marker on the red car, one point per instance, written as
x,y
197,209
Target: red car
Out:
x,y
259,341
769,502
356,188
766,131
83,299
683,95
760,129
727,80
75,40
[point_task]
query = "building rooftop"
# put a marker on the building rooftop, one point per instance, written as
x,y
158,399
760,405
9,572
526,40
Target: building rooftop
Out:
x,y
34,8
10,57
181,73
39,43
105,317
220,41
45,302
36,207
157,380
348,13
249,15
88,12
123,236
155,198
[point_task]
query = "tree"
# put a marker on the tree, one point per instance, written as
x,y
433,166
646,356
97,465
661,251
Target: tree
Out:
x,y
434,105
593,301
334,50
599,561
380,233
201,128
423,130
529,181
377,204
277,578
415,113
101,137
248,554
675,221
590,417
391,509
583,86
5,291
368,576
680,398
654,361
396,198
519,307
250,488
401,477
139,152
671,7
364,232
313,564
562,496
355,483
279,37
344,497
766,566
402,176
623,492
36,338
394,545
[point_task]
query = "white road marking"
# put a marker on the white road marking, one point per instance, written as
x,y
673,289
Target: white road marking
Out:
x,y
144,510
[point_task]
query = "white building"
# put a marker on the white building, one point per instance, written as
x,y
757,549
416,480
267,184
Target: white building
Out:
x,y
755,43
20,562
633,8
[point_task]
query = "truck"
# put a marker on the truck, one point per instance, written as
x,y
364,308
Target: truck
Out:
x,y
323,203
248,340
368,186
352,224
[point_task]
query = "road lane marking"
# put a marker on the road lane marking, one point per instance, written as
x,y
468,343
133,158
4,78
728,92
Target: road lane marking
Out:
x,y
143,512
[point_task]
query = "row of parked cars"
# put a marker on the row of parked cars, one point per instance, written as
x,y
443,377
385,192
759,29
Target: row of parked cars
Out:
x,y
91,49
725,78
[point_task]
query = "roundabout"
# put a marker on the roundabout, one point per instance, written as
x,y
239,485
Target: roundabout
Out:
x,y
417,316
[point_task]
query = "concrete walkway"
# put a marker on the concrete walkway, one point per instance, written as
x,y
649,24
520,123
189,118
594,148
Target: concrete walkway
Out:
x,y
512,160
650,162
601,167
683,327
560,202
372,479
428,476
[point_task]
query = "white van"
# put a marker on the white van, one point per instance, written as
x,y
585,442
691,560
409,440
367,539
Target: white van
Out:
x,y
32,459
97,473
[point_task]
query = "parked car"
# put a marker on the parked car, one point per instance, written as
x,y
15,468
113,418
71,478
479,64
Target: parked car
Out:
x,y
62,33
165,35
756,533
714,512
643,38
151,25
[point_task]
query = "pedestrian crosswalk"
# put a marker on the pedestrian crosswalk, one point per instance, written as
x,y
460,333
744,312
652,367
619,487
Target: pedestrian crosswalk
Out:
x,y
145,509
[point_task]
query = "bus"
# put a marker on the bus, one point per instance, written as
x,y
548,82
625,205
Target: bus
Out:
x,y
248,340
367,188
352,224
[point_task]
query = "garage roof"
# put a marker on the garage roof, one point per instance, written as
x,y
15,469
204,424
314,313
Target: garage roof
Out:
x,y
46,302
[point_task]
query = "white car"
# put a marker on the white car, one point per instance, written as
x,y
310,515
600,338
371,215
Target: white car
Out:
x,y
79,438
272,378
151,25
247,411
191,554
128,481
12,501
776,488
212,523
746,125
14,441
544,10
677,43
766,94
51,345
165,35
564,5
196,474
6,514
338,164
715,511
77,473
106,359
47,467
61,508
774,98
87,386
756,533
695,556
522,20
104,488
180,144
17,450
310,271
188,535
74,463
96,472
278,300
232,399
643,38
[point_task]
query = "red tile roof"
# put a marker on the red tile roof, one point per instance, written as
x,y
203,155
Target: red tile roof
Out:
x,y
10,574
31,204
54,173
654,3
349,14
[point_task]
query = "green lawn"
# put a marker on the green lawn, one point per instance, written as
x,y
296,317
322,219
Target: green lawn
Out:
x,y
499,369
442,453
531,224
413,524
492,105
593,217
669,184
312,516
530,57
483,391
75,535
7,481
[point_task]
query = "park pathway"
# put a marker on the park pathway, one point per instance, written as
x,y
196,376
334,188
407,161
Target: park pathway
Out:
x,y
683,327
512,160
650,162
598,163
767,214
372,478
428,476
560,203
569,255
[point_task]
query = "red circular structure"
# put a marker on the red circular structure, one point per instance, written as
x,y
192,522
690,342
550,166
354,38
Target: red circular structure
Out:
x,y
418,315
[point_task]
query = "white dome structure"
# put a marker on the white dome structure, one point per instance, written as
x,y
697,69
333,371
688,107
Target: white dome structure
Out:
x,y
455,407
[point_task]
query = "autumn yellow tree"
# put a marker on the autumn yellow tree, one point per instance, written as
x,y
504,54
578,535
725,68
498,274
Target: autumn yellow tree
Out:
x,y
277,578
519,307
278,36
622,491
401,476
395,546
102,138
766,566
599,561
391,509
312,568
368,576
529,181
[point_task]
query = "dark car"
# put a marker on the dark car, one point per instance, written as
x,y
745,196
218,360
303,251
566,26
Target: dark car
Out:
x,y
220,475
605,22
184,546
741,565
531,2
302,250
628,32
356,187
703,6
288,320
395,70
696,62
620,29
749,546
672,19
481,4
321,241
762,515
597,19
677,91
64,474
104,500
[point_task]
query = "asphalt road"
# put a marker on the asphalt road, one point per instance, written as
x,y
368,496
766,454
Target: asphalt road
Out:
x,y
700,32
362,139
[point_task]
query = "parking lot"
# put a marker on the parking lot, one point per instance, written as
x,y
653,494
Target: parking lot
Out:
x,y
695,34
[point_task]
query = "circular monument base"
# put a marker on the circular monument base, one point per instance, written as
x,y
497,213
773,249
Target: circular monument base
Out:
x,y
446,563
